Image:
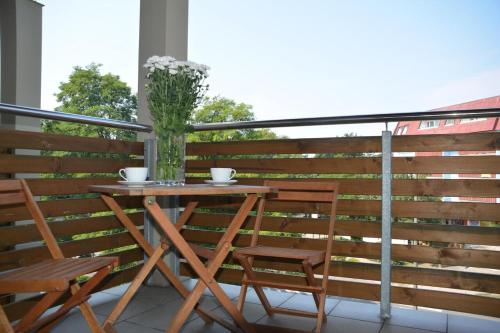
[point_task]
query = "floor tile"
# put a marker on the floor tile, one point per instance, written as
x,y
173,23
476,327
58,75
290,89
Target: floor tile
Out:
x,y
401,329
74,323
232,291
126,327
422,319
345,325
199,326
118,290
158,295
466,324
357,310
297,323
251,311
134,307
160,316
306,302
275,296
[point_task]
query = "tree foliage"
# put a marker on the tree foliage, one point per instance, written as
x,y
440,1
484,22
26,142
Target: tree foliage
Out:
x,y
90,93
219,109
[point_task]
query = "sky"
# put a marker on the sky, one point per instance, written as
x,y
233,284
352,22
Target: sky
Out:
x,y
292,59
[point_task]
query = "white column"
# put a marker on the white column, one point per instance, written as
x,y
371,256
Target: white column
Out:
x,y
163,31
21,59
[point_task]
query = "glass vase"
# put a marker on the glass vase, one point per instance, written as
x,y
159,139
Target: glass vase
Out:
x,y
171,150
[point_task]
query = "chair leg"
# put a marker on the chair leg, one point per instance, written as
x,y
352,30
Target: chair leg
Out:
x,y
244,260
79,297
4,322
242,297
136,283
47,300
312,281
321,312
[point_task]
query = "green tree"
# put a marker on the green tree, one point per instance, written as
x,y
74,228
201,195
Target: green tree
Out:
x,y
90,93
219,109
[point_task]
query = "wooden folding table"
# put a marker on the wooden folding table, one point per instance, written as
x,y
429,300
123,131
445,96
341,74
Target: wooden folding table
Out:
x,y
190,252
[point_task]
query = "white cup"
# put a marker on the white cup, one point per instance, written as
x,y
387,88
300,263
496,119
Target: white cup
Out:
x,y
222,174
134,174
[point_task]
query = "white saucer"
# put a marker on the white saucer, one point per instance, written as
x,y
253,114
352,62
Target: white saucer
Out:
x,y
136,184
226,183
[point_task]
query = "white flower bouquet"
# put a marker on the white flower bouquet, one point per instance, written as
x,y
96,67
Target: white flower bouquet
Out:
x,y
174,89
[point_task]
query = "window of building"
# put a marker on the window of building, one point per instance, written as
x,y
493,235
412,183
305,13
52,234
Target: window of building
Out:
x,y
401,130
470,120
429,124
449,122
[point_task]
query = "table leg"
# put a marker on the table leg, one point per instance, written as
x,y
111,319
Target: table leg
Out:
x,y
205,273
148,248
136,283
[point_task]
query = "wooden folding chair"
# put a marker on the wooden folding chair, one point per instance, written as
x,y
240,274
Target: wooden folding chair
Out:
x,y
53,277
292,191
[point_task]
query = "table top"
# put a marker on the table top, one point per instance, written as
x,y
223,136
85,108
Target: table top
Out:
x,y
190,189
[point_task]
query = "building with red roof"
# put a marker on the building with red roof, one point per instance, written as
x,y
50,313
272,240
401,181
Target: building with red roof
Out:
x,y
456,126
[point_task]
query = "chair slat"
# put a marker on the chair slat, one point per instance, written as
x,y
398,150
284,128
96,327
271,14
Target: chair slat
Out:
x,y
10,185
54,276
12,198
301,196
311,192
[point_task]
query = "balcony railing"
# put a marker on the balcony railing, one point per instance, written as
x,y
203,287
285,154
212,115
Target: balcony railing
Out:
x,y
437,262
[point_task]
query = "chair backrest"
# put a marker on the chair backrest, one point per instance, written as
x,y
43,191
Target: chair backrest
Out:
x,y
17,192
300,191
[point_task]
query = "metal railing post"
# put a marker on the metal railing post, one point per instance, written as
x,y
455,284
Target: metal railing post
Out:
x,y
171,208
385,278
150,163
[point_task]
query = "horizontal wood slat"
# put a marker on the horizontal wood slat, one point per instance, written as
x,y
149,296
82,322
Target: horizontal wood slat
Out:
x,y
56,208
417,253
58,142
479,282
13,235
60,186
16,310
18,258
417,297
422,143
412,231
359,165
45,164
418,209
488,188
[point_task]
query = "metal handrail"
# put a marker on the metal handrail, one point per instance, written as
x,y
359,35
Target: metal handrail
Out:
x,y
354,119
294,122
71,117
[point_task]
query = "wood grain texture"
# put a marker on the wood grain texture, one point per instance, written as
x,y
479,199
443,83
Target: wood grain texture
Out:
x,y
354,165
12,235
58,142
66,186
55,208
45,164
18,309
417,297
489,141
411,231
488,188
412,209
480,282
416,253
23,257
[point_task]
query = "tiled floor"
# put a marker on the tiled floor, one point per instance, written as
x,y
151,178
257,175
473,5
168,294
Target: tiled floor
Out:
x,y
152,309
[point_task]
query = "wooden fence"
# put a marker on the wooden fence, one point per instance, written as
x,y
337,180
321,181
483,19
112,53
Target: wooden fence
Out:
x,y
437,263
59,169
